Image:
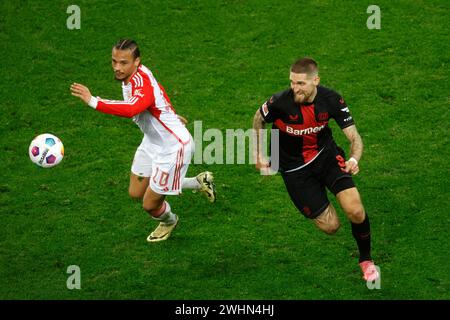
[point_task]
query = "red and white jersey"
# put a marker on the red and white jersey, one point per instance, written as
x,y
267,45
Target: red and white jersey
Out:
x,y
146,101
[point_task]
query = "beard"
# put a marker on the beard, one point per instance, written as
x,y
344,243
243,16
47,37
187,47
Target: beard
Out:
x,y
305,97
301,98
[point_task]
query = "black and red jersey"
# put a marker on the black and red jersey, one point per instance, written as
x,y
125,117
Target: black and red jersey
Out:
x,y
303,128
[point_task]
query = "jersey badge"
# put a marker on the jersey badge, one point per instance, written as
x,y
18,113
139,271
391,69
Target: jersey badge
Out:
x,y
138,92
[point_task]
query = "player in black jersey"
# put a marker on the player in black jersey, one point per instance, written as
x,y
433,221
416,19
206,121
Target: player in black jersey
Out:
x,y
310,160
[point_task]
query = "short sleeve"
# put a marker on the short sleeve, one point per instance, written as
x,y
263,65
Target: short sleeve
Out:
x,y
268,110
340,112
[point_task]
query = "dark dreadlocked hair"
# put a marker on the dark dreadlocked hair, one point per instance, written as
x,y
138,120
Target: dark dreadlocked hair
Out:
x,y
124,44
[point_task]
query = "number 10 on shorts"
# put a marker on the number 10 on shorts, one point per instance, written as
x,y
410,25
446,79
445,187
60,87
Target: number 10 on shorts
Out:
x,y
160,178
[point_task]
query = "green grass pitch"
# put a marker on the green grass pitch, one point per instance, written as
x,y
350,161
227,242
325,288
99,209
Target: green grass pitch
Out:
x,y
219,61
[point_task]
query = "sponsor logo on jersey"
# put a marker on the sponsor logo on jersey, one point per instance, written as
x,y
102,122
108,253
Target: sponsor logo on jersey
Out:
x,y
301,132
293,118
322,116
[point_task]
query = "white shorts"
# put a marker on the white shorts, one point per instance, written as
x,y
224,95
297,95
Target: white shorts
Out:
x,y
166,169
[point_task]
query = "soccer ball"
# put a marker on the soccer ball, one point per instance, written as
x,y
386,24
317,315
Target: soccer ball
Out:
x,y
46,150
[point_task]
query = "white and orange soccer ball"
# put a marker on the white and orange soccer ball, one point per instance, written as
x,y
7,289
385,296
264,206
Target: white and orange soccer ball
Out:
x,y
46,150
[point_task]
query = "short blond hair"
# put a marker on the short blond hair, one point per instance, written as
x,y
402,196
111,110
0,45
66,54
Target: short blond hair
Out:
x,y
305,65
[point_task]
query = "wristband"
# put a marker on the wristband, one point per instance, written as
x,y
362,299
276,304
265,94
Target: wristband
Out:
x,y
93,102
354,160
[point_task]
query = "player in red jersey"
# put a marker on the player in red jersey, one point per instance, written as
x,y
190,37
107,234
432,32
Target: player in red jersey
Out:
x,y
162,159
310,160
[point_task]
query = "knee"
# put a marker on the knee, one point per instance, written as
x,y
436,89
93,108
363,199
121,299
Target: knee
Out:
x,y
328,220
331,228
356,215
134,194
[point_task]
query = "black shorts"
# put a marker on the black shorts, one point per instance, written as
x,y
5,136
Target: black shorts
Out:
x,y
306,186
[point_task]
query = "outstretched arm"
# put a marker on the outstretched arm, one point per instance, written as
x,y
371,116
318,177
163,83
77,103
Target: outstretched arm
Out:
x,y
356,149
141,100
81,91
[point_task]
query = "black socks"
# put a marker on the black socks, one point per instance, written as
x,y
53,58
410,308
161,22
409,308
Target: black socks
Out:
x,y
361,233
